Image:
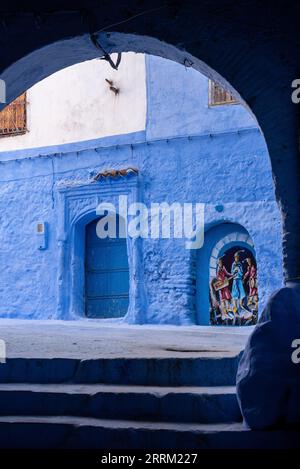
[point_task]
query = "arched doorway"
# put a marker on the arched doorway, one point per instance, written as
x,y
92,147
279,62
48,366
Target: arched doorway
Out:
x,y
227,287
106,274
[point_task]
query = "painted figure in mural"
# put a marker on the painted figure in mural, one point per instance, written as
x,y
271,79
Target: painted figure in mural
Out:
x,y
251,275
233,290
215,310
222,285
238,291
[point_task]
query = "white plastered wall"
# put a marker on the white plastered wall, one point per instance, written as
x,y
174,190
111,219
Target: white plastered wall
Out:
x,y
76,104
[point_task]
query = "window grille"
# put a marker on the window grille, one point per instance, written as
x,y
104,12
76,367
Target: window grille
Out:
x,y
218,95
13,117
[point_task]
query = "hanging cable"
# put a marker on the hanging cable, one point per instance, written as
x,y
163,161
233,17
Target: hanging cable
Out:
x,y
106,56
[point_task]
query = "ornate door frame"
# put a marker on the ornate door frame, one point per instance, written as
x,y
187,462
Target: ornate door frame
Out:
x,y
77,207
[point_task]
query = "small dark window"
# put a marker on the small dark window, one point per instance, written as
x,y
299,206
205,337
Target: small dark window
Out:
x,y
218,95
13,117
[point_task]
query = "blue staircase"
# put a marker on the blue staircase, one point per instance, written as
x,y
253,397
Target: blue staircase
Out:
x,y
126,403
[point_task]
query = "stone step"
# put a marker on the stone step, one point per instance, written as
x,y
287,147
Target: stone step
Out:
x,y
167,404
89,433
200,371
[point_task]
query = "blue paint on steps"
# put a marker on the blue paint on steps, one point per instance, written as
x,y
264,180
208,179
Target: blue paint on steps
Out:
x,y
88,433
214,371
108,416
142,403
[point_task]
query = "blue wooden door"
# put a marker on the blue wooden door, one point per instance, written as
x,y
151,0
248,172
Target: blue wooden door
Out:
x,y
106,275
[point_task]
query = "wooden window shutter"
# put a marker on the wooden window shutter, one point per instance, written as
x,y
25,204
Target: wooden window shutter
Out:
x,y
13,117
218,95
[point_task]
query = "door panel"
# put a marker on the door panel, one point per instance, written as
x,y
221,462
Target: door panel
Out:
x,y
107,255
107,283
106,275
107,307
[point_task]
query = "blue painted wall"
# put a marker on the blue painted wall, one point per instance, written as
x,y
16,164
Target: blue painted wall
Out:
x,y
189,152
178,99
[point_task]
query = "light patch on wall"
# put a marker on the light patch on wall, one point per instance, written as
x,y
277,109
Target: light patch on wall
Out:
x,y
75,104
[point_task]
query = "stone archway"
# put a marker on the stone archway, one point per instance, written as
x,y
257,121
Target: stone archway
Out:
x,y
219,39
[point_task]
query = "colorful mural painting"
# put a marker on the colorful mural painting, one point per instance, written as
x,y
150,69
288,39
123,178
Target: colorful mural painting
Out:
x,y
234,290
